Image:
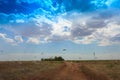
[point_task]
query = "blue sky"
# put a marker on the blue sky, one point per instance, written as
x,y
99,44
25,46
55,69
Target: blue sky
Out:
x,y
82,27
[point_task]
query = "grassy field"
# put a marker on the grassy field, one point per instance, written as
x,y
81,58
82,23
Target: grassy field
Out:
x,y
25,70
110,68
45,70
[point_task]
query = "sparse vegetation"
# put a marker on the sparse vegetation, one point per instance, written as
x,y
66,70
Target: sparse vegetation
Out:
x,y
59,58
27,70
92,74
110,68
62,70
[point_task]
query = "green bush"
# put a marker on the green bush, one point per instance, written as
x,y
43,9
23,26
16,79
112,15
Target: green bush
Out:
x,y
59,58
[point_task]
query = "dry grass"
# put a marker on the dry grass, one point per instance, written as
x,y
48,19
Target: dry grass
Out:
x,y
108,68
36,70
92,74
24,70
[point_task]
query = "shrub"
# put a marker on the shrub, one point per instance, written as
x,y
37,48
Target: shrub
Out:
x,y
59,58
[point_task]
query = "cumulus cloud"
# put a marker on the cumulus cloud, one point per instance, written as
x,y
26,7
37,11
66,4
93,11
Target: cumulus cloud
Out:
x,y
85,40
48,23
79,31
19,39
9,40
107,34
84,30
2,35
62,27
33,41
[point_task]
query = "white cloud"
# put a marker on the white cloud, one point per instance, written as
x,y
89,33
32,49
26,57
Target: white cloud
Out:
x,y
104,43
104,35
20,21
76,27
84,40
19,39
62,27
2,35
9,40
33,40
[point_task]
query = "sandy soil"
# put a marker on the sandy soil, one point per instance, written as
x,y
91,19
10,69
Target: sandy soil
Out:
x,y
71,71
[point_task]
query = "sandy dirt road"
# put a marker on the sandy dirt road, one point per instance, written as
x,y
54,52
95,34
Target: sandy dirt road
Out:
x,y
70,71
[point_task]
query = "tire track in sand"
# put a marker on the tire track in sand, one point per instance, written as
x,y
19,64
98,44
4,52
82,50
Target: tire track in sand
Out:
x,y
71,71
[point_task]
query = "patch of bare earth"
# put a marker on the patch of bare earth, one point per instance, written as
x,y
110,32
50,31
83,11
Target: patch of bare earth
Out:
x,y
70,71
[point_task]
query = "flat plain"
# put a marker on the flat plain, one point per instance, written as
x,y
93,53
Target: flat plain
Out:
x,y
60,70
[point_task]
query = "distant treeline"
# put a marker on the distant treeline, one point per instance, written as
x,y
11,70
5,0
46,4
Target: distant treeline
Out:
x,y
59,58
